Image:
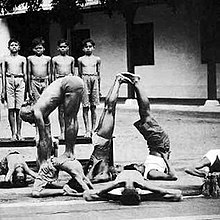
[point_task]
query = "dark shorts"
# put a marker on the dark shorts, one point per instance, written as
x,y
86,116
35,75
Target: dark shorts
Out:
x,y
155,136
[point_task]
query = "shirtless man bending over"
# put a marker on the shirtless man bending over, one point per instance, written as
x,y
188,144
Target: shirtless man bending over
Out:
x,y
68,91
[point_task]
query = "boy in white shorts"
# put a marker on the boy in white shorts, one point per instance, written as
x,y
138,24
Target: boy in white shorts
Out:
x,y
13,86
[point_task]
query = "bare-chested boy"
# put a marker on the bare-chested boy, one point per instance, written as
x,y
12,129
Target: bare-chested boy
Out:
x,y
39,69
89,71
14,75
133,189
63,65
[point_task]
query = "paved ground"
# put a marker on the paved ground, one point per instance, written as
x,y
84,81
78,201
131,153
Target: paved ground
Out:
x,y
193,130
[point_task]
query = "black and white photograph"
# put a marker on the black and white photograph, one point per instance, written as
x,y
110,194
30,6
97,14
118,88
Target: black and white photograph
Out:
x,y
110,109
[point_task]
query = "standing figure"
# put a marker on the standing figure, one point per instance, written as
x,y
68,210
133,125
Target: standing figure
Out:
x,y
14,76
68,91
39,69
63,65
89,71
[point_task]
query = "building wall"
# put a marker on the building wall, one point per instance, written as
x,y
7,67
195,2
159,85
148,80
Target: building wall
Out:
x,y
178,72
109,35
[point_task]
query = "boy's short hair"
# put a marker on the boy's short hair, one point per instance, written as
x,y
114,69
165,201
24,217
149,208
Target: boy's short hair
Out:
x,y
61,41
38,41
130,197
13,40
26,112
19,181
84,42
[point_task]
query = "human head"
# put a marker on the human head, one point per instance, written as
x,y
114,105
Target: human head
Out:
x,y
130,197
27,112
63,46
13,45
88,46
19,177
38,45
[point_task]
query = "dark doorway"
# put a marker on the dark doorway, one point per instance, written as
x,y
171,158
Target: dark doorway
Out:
x,y
142,45
77,36
26,27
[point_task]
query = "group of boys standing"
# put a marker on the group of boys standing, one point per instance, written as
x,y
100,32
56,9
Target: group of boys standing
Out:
x,y
34,74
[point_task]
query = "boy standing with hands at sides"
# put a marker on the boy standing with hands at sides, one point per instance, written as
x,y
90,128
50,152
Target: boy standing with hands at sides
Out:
x,y
14,75
39,69
63,65
89,71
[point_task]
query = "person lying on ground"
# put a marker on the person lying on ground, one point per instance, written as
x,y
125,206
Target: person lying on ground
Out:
x,y
156,166
131,182
15,169
209,163
48,176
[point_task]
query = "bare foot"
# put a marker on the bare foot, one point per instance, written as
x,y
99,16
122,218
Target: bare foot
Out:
x,y
61,137
70,192
87,134
132,77
14,138
19,137
122,78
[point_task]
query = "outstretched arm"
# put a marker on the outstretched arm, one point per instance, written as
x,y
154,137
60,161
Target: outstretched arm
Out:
x,y
196,169
99,194
168,194
9,174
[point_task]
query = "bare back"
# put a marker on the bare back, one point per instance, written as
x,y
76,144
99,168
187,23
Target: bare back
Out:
x,y
39,66
14,159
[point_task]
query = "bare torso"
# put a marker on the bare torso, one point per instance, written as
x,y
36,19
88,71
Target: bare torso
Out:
x,y
15,65
15,159
63,64
89,64
39,66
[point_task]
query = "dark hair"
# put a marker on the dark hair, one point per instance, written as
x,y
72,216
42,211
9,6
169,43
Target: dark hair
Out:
x,y
13,40
130,197
19,181
130,166
38,41
84,42
26,112
61,41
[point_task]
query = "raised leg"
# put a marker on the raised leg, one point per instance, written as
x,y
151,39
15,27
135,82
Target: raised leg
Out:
x,y
98,167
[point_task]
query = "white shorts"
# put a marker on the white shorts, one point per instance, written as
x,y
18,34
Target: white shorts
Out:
x,y
154,163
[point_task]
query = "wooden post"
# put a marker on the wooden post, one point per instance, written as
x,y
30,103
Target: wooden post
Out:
x,y
129,14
